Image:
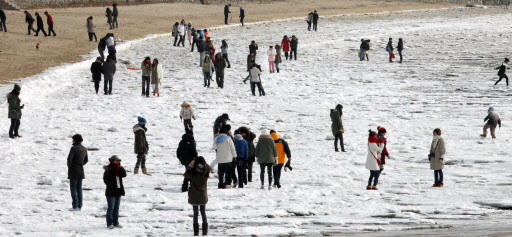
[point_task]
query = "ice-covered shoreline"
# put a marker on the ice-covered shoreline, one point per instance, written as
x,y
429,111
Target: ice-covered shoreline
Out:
x,y
444,82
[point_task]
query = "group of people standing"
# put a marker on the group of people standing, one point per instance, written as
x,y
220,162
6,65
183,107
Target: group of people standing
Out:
x,y
312,17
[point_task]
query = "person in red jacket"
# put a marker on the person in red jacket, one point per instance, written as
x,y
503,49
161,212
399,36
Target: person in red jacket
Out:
x,y
49,21
382,139
285,45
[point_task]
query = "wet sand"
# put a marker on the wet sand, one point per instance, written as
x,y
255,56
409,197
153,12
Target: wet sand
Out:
x,y
19,57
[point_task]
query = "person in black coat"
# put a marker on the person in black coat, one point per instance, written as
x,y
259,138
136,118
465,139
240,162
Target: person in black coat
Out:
x,y
253,48
400,47
30,20
220,122
242,15
226,13
502,73
113,179
315,20
77,158
293,46
186,153
115,14
390,49
40,25
96,69
3,18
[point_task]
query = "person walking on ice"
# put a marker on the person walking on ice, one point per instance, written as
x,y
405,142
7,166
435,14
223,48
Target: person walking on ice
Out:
x,y
502,73
436,157
187,114
373,161
77,158
141,147
266,154
337,127
283,152
198,173
113,179
242,15
492,120
271,52
96,68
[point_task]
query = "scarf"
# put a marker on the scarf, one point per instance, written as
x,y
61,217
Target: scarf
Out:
x,y
147,62
116,168
436,140
373,139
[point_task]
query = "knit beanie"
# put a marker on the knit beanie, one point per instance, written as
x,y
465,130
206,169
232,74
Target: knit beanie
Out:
x,y
142,121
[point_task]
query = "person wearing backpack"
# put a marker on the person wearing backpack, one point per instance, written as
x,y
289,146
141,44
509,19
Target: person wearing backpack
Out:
x,y
389,48
502,72
373,161
186,153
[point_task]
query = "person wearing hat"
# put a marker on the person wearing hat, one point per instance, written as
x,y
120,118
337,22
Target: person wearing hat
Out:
x,y
283,152
225,154
141,147
315,20
337,127
187,114
253,48
242,15
220,122
77,158
113,179
266,154
40,25
381,135
293,46
30,20
14,113
49,21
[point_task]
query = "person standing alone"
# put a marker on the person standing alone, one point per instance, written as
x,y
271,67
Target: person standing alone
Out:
x,y
337,127
141,146
14,113
436,157
187,114
77,158
91,29
49,21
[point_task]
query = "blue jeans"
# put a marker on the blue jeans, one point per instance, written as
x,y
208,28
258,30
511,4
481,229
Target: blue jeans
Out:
x,y
145,82
374,175
362,54
75,186
438,176
260,88
113,210
207,78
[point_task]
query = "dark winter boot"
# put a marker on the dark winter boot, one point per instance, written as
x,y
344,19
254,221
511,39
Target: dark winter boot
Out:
x,y
250,177
196,229
277,70
205,229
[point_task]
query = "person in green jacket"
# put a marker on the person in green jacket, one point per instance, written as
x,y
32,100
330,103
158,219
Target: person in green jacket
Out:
x,y
146,68
337,127
266,153
141,146
220,64
14,113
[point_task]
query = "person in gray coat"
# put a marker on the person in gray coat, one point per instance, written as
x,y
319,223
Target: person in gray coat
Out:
x,y
77,158
108,69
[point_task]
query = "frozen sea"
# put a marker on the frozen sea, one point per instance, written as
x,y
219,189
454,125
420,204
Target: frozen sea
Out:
x,y
445,82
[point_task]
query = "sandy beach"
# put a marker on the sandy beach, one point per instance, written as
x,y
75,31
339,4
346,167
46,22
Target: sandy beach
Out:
x,y
19,57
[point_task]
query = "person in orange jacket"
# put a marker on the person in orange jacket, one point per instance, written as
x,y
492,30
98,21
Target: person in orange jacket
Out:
x,y
283,152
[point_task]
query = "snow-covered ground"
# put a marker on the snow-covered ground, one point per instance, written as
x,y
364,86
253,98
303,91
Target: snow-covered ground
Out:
x,y
444,82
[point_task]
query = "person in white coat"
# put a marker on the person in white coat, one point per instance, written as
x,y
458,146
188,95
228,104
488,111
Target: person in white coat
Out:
x,y
181,32
271,52
156,77
373,160
187,114
189,29
256,80
226,153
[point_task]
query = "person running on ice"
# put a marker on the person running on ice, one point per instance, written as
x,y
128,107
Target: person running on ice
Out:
x,y
113,179
436,157
77,158
373,160
502,73
492,120
141,146
337,127
266,154
187,114
14,113
198,173
283,152
271,52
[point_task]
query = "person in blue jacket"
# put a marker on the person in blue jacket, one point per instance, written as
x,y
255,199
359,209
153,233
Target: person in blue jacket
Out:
x,y
226,13
242,156
201,48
